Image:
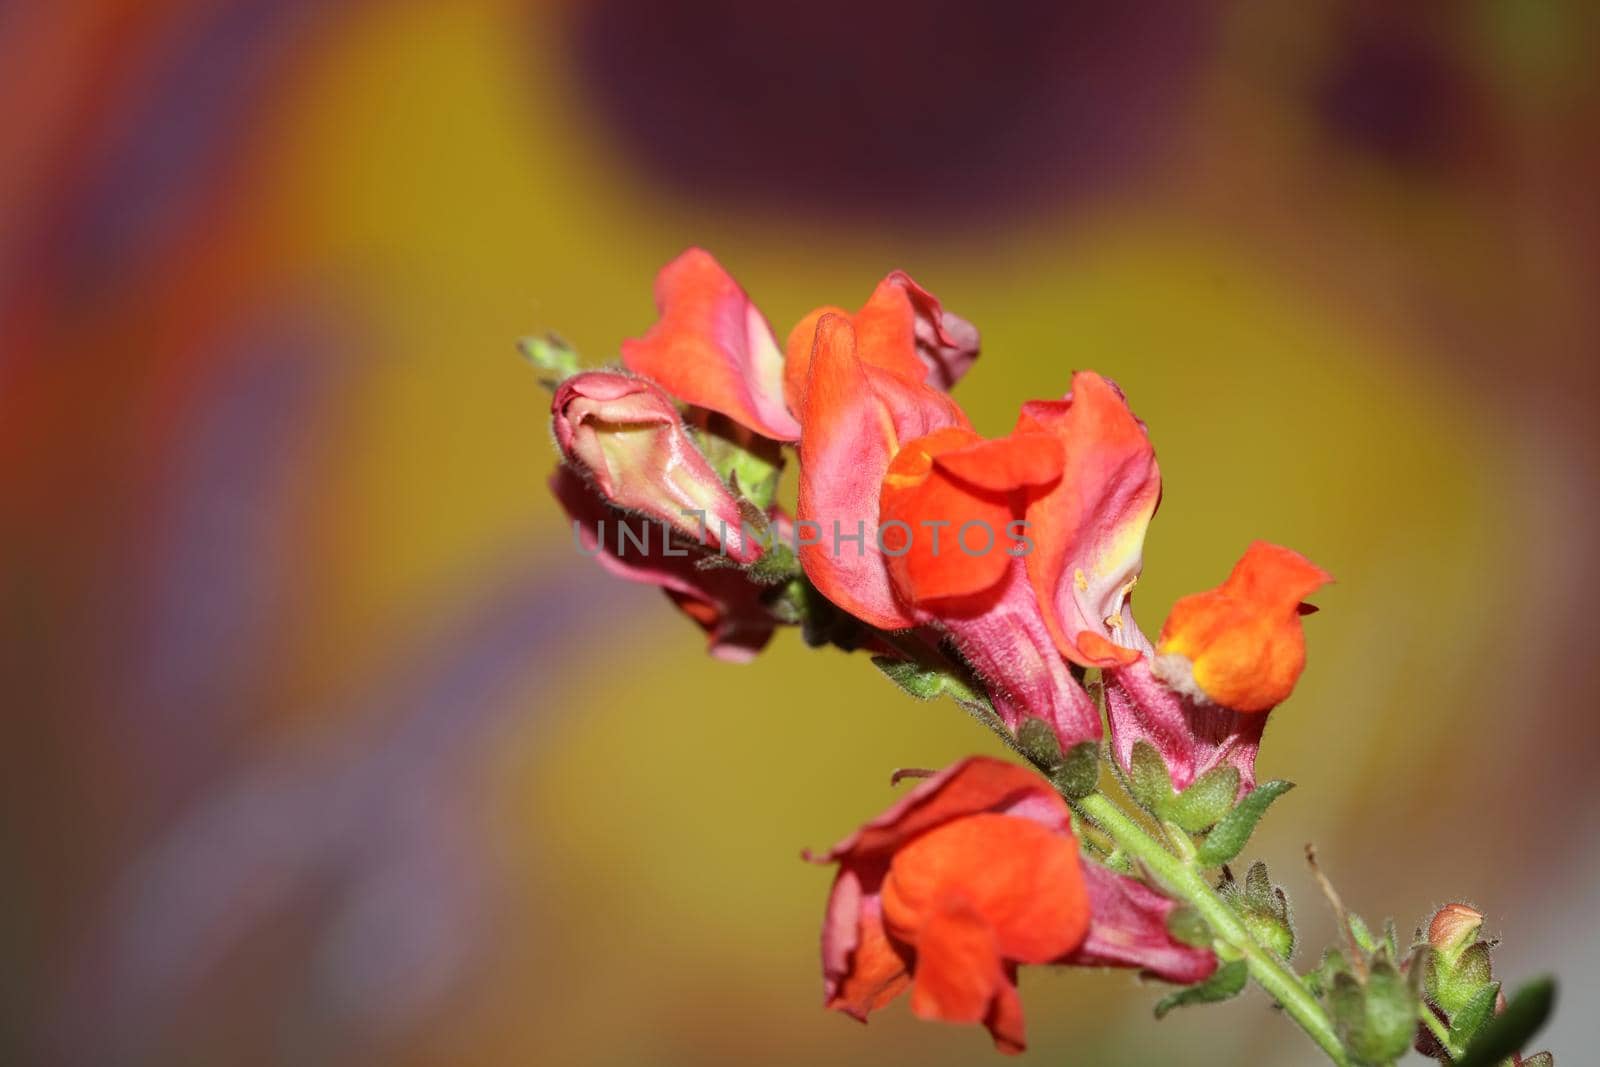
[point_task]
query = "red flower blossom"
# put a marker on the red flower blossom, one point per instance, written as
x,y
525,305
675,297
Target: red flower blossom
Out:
x,y
971,874
1225,658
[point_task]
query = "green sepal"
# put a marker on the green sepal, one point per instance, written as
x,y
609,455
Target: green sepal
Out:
x,y
1504,1035
1320,981
1230,836
1264,909
1185,924
1451,986
1118,861
551,355
922,682
1225,983
750,463
1039,743
1360,931
1207,799
1465,1023
1148,779
1376,1020
1258,887
1079,772
776,566
1276,934
1391,1016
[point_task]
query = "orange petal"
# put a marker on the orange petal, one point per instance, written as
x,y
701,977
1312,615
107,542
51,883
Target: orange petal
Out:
x,y
1089,527
946,506
1243,642
1022,879
712,347
958,968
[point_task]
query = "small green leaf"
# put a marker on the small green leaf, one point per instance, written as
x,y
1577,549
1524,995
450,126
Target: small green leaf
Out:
x,y
1225,983
1207,799
1079,772
1505,1034
1465,1023
1233,832
1148,779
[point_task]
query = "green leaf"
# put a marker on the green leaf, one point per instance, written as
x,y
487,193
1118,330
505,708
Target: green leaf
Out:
x,y
1465,1023
1225,983
1207,799
1233,832
1505,1034
1148,779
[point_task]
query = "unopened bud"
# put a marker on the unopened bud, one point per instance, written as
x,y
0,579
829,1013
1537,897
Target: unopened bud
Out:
x,y
624,433
1376,1019
1453,928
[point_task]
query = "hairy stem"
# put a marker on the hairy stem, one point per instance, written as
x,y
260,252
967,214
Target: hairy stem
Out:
x,y
1181,878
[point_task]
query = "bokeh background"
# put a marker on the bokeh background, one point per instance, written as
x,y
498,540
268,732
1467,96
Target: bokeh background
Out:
x,y
322,746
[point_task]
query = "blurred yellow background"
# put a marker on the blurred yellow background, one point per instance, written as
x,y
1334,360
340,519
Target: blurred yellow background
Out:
x,y
324,745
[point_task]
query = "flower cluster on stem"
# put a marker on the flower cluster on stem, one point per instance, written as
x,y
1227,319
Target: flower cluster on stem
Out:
x,y
998,571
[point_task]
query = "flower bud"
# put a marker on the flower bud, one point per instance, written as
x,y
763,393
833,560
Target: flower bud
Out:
x,y
1263,908
1454,927
1460,966
1376,1019
626,435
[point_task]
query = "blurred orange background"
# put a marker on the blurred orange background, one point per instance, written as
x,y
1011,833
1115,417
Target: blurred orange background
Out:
x,y
324,746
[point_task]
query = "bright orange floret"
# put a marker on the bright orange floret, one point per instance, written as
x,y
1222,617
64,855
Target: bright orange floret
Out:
x,y
973,873
974,895
1243,640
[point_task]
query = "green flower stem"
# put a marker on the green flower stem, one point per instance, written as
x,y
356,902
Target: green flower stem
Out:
x,y
1185,881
